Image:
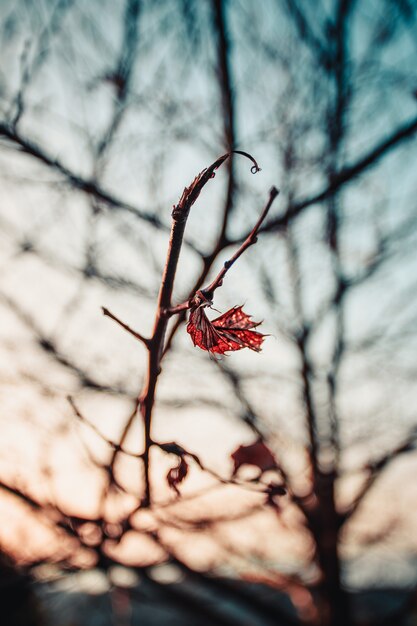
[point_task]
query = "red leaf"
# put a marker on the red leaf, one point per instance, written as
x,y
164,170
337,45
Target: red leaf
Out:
x,y
257,454
177,474
231,331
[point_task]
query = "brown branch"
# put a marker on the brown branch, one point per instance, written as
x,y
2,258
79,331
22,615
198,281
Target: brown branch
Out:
x,y
135,334
179,219
224,74
255,486
218,281
403,133
110,467
249,241
155,344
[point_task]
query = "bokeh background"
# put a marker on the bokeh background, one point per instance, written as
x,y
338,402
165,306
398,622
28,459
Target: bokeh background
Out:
x,y
107,111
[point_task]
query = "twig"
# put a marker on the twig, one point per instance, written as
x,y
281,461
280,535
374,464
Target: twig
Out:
x,y
179,219
135,334
155,343
254,486
249,241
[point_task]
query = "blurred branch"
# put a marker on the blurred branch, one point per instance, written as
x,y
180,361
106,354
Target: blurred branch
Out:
x,y
89,271
87,185
121,76
246,599
192,603
224,76
117,447
301,338
337,117
31,68
127,328
49,346
376,468
307,34
384,252
342,177
249,415
23,497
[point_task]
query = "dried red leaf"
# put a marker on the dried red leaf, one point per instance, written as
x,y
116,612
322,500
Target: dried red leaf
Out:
x,y
257,454
177,474
231,331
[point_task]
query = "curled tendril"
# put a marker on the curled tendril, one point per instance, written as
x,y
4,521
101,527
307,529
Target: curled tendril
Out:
x,y
255,167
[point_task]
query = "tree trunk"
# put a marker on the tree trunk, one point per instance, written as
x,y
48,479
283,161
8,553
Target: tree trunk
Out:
x,y
335,609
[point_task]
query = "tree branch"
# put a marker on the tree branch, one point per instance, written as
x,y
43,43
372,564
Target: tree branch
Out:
x,y
249,241
135,334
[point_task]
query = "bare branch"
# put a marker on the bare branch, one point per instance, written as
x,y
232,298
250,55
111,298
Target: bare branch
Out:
x,y
135,334
218,281
249,241
179,219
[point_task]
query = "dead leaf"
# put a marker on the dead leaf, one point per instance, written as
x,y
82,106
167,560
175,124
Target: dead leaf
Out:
x,y
257,454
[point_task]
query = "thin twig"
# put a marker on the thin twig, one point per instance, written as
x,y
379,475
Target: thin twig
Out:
x,y
249,241
135,334
179,219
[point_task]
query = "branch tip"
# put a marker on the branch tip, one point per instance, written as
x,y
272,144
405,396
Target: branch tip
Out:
x,y
255,167
127,328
